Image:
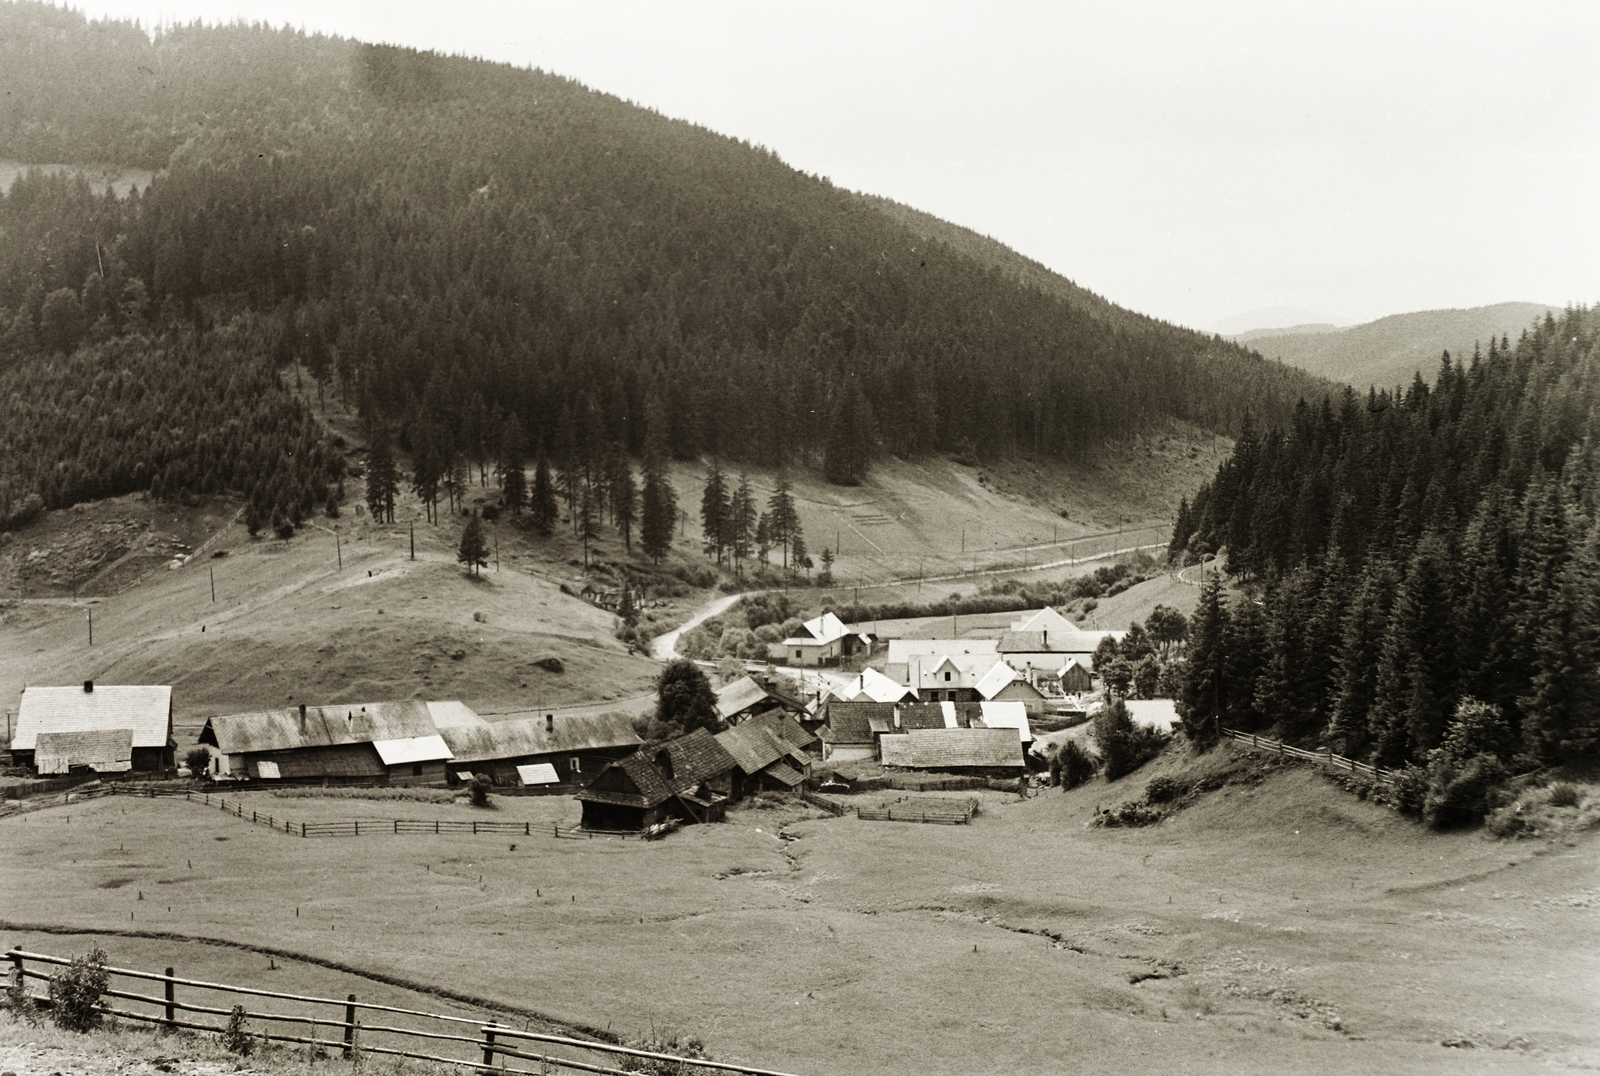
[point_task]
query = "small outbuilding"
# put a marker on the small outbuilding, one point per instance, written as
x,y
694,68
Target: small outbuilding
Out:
x,y
100,728
689,778
975,751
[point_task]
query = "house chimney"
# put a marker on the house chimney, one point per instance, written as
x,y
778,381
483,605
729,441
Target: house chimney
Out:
x,y
302,718
88,687
549,722
897,717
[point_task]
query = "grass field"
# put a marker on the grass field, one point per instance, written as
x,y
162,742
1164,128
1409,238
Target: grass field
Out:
x,y
1277,925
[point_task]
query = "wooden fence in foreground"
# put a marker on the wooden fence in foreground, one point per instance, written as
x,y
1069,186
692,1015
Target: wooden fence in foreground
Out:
x,y
944,812
332,1024
1327,758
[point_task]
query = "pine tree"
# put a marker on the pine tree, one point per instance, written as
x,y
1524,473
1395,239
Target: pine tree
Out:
x,y
798,555
383,481
1562,708
783,522
1200,702
624,500
474,548
657,513
513,481
714,510
587,521
763,538
741,524
542,504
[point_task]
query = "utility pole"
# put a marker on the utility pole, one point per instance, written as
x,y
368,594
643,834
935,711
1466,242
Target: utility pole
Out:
x,y
497,556
413,539
91,627
338,552
213,573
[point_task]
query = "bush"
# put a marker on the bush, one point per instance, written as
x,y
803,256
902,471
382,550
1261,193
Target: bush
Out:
x,y
1072,765
198,760
1460,794
1131,813
75,992
235,1039
480,790
1164,790
20,1002
1564,794
1123,747
1408,790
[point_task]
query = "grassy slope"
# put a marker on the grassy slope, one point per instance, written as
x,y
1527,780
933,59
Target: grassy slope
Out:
x,y
1277,907
1390,350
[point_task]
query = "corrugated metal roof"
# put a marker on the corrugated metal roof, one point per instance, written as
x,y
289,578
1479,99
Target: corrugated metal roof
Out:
x,y
102,750
538,773
146,710
932,749
411,749
321,726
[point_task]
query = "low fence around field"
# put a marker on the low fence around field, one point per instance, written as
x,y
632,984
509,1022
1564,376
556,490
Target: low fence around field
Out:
x,y
944,812
354,1028
1327,759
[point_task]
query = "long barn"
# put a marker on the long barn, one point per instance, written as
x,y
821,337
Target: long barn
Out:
x,y
395,743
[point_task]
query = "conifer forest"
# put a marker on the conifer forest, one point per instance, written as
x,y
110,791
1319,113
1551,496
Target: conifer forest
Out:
x,y
496,266
1422,570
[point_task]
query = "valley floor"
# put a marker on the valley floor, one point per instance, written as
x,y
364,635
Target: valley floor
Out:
x,y
1276,925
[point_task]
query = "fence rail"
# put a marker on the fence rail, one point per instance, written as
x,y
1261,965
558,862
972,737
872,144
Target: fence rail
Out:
x,y
937,812
353,1037
1327,759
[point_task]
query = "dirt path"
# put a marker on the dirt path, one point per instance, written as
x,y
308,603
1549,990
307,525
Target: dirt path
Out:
x,y
665,647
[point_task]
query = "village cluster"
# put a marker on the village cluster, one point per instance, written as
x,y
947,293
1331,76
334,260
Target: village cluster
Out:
x,y
966,706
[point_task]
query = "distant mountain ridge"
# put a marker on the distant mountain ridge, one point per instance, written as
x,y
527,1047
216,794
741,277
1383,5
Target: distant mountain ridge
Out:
x,y
1389,351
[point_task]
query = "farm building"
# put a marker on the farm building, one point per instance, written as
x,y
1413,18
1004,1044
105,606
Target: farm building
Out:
x,y
395,743
531,750
763,757
1002,683
747,696
870,685
977,751
822,641
1075,677
847,730
689,778
104,728
948,677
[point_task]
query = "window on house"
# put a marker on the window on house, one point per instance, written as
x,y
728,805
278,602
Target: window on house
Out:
x,y
947,678
575,766
416,769
797,655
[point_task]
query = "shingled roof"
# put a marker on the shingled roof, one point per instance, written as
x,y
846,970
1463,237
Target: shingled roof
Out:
x,y
102,750
785,728
753,748
939,749
695,759
849,722
145,711
319,726
531,733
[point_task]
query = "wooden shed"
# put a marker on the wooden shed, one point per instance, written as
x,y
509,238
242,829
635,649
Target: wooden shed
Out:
x,y
576,747
392,743
689,778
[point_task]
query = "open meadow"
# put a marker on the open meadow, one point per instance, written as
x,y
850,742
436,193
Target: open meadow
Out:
x,y
1276,924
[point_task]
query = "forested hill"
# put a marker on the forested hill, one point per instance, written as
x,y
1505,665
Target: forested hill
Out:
x,y
451,243
1425,570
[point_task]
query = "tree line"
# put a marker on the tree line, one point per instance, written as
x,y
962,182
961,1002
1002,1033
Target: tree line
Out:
x,y
1421,570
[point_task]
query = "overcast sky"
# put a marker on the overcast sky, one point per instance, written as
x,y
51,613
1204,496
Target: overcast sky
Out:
x,y
1192,161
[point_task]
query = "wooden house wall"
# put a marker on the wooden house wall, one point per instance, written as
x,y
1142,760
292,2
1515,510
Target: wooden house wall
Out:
x,y
429,774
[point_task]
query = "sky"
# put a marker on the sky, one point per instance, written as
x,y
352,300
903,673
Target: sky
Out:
x,y
1192,161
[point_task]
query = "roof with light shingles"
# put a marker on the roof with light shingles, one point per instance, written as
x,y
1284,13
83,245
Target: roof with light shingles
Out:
x,y
935,749
147,711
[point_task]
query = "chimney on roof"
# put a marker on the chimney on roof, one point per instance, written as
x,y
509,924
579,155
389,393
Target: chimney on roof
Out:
x,y
302,717
897,717
88,687
549,722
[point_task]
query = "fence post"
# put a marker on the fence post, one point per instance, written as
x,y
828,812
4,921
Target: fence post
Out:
x,y
526,831
349,1025
488,1045
397,826
19,980
474,828
302,829
358,827
171,991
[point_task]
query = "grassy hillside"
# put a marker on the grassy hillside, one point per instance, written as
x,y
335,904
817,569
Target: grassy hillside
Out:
x,y
1391,350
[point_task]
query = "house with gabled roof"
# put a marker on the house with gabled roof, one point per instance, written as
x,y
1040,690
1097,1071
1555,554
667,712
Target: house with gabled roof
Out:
x,y
106,728
870,685
748,696
1002,683
823,640
846,732
688,778
571,747
763,759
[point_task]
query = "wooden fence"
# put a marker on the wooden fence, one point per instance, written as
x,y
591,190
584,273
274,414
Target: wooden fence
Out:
x,y
1327,758
334,1024
945,812
356,827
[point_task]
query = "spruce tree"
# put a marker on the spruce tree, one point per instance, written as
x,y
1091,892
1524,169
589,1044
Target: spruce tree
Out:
x,y
741,523
624,501
714,509
1200,701
383,481
783,523
657,513
474,548
513,480
542,503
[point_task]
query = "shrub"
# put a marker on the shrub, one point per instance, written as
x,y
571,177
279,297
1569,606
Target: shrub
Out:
x,y
1564,794
1164,790
480,790
1408,790
198,760
75,992
235,1039
1131,813
1074,765
665,1042
1124,748
20,1002
1460,794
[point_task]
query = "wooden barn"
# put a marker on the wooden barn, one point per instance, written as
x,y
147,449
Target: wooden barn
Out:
x,y
531,751
103,729
689,778
747,696
385,743
847,729
769,753
974,751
